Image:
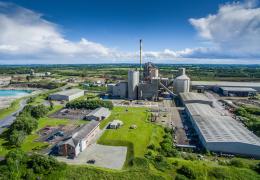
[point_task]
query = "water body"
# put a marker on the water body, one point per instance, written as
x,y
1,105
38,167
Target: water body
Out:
x,y
11,92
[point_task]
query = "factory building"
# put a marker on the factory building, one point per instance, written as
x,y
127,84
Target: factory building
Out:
x,y
133,81
66,95
221,133
192,97
150,71
119,90
215,85
148,90
98,114
237,91
72,145
182,82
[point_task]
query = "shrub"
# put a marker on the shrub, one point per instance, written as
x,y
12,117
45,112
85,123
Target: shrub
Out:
x,y
151,146
187,171
180,177
237,163
16,138
217,173
41,164
257,168
39,111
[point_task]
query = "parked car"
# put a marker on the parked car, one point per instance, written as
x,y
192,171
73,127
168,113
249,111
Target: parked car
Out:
x,y
91,161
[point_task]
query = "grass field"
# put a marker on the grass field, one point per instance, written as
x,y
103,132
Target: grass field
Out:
x,y
12,108
137,139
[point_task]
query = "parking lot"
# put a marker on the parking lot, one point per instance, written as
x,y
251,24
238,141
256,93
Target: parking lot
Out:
x,y
112,157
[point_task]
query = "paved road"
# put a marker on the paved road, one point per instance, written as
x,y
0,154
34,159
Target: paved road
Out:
x,y
7,121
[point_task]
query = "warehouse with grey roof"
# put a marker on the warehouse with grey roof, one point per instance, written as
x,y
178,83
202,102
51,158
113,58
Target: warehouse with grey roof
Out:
x,y
221,133
66,95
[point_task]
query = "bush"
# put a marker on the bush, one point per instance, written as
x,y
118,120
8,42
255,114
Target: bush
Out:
x,y
217,173
187,171
180,177
39,111
257,168
237,163
151,146
16,138
160,163
41,164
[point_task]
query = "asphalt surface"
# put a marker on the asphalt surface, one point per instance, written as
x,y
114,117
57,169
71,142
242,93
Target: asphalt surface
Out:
x,y
7,121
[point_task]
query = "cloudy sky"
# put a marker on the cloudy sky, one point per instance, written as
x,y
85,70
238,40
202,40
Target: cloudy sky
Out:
x,y
108,31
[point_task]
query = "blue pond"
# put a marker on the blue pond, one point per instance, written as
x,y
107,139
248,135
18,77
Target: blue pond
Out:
x,y
6,92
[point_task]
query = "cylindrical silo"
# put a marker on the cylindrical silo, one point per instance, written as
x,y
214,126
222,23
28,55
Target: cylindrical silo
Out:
x,y
133,80
182,82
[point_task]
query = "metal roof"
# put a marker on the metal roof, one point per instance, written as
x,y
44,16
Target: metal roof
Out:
x,y
68,92
192,96
226,83
215,127
238,89
80,133
99,112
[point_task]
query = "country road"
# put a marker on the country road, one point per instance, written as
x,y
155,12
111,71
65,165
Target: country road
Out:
x,y
7,121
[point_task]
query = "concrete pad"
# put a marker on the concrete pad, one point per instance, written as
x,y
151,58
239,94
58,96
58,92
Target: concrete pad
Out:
x,y
112,157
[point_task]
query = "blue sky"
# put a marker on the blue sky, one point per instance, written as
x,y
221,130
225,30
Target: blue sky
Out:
x,y
105,31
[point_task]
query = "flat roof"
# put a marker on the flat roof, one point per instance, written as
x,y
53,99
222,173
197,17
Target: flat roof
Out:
x,y
238,89
225,83
68,92
192,96
98,112
216,127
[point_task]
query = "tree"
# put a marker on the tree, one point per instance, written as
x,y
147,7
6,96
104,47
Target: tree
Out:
x,y
39,111
41,164
16,138
25,123
15,161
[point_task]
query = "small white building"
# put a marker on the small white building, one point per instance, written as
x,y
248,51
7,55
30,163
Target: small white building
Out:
x,y
98,114
115,124
67,95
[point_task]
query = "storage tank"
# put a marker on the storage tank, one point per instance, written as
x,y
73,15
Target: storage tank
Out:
x,y
182,82
133,80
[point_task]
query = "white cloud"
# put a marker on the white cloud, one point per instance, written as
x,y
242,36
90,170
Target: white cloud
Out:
x,y
26,33
234,30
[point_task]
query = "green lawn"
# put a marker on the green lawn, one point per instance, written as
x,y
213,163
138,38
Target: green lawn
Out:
x,y
139,138
12,108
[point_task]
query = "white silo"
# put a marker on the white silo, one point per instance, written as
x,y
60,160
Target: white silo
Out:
x,y
182,82
133,80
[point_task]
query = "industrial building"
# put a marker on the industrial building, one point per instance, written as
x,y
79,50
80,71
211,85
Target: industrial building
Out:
x,y
66,95
98,114
146,84
220,133
237,91
192,97
119,90
77,142
215,85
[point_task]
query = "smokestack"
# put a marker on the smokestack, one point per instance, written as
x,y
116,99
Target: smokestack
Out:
x,y
140,55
